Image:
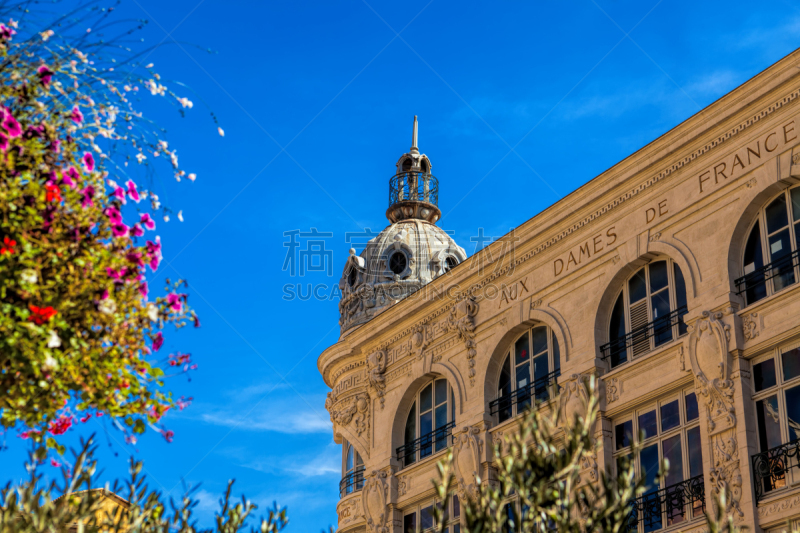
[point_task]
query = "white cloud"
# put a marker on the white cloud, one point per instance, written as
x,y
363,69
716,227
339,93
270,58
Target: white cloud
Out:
x,y
271,418
328,461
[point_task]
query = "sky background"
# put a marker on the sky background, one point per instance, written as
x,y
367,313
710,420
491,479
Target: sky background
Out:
x,y
519,104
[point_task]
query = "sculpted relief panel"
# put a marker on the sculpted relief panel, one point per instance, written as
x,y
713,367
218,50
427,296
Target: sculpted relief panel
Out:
x,y
710,360
467,448
375,502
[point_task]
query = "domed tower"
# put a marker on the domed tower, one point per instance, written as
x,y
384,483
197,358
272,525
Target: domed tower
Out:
x,y
407,254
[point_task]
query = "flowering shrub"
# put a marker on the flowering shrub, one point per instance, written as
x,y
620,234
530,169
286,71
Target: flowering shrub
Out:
x,y
79,332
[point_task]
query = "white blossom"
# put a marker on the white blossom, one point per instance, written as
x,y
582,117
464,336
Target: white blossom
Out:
x,y
185,102
152,312
180,215
47,34
192,176
53,341
107,306
221,132
50,363
29,276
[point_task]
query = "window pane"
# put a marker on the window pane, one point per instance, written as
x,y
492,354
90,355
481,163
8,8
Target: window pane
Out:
x,y
623,434
441,391
764,375
556,353
671,450
670,416
637,288
523,375
753,261
540,371
426,398
695,449
539,339
769,423
410,523
692,411
662,325
616,334
795,195
359,461
648,459
648,425
349,465
441,416
521,349
505,378
425,423
781,259
791,361
411,424
426,517
680,296
510,526
793,412
776,215
456,507
658,276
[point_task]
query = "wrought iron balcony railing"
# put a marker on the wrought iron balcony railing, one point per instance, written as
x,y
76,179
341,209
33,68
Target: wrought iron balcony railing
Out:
x,y
521,398
668,506
750,283
658,328
352,482
426,445
771,467
415,187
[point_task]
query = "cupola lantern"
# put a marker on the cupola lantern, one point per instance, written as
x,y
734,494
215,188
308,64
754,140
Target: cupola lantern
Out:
x,y
413,190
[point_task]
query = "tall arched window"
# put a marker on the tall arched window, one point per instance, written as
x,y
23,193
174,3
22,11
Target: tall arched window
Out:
x,y
647,313
353,469
531,365
770,258
430,422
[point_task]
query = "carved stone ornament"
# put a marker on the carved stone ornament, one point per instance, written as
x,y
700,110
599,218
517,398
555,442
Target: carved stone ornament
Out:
x,y
374,500
750,326
376,366
467,460
612,390
710,360
403,484
462,320
589,466
353,410
574,399
420,340
348,512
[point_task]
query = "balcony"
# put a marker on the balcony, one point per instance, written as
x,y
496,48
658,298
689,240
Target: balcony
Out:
x,y
772,468
754,284
645,338
668,506
416,450
413,187
505,405
352,482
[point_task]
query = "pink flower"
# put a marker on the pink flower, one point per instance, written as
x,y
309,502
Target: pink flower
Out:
x,y
132,192
86,418
60,426
12,126
143,289
88,161
70,177
174,302
45,75
119,230
3,142
113,214
88,194
6,32
76,116
137,231
104,296
114,274
196,321
154,251
158,342
148,222
169,435
119,194
55,146
54,463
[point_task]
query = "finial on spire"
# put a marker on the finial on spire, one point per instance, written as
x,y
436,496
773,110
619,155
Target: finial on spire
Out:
x,y
414,149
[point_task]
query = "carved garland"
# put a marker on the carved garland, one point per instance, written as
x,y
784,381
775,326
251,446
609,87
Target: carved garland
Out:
x,y
462,320
353,410
467,449
376,366
374,501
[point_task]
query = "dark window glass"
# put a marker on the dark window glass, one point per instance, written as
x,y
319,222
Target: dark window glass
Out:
x,y
510,526
425,398
521,349
692,411
350,458
505,390
441,391
658,276
680,296
426,517
648,458
456,507
764,375
793,412
397,262
769,429
795,195
450,263
441,415
539,340
781,259
618,351
556,354
670,415
791,361
648,424
410,523
776,215
755,287
425,429
637,287
411,433
540,371
671,450
695,449
623,434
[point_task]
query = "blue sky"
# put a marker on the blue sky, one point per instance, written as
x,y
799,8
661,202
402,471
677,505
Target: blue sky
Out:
x,y
519,104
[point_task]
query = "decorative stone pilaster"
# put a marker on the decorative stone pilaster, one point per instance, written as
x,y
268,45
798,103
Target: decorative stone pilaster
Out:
x,y
375,502
467,454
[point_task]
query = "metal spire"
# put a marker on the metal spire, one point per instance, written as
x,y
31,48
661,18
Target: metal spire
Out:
x,y
414,149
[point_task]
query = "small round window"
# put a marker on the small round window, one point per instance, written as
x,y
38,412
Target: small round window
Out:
x,y
450,263
398,262
352,276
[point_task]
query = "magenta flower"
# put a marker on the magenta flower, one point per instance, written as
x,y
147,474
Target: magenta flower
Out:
x,y
196,321
143,290
135,258
88,194
88,161
154,251
66,179
174,302
119,230
45,75
119,194
76,116
136,230
148,222
158,342
113,214
71,177
115,275
12,126
132,192
55,146
104,296
6,32
3,142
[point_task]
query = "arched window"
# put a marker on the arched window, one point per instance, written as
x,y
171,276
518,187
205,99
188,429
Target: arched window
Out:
x,y
647,313
770,258
353,470
531,365
429,423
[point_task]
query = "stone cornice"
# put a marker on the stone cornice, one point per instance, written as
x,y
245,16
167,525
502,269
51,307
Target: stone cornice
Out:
x,y
615,178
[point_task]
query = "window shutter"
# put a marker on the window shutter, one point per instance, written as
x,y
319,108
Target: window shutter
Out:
x,y
640,343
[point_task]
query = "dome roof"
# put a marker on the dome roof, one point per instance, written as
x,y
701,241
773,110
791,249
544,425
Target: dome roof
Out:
x,y
399,261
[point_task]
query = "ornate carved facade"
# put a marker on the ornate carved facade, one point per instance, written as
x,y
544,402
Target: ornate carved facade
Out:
x,y
667,277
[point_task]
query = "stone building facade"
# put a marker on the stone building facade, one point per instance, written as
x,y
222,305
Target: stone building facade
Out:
x,y
673,277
